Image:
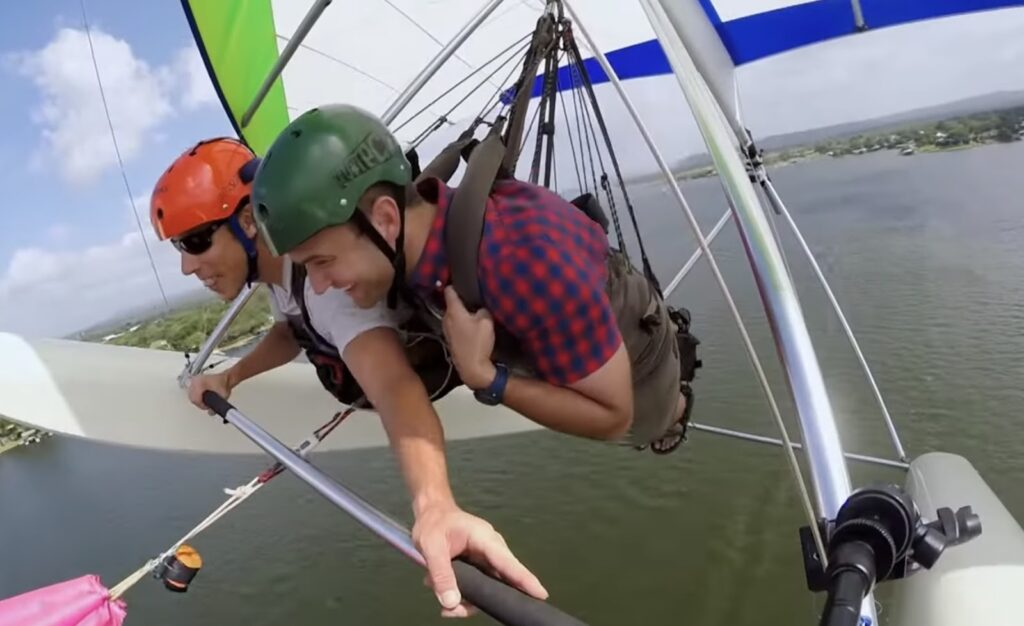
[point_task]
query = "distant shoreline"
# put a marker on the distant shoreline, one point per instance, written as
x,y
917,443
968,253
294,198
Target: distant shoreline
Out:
x,y
959,133
774,160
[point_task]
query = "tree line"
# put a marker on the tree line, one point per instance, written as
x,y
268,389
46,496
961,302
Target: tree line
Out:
x,y
990,127
187,329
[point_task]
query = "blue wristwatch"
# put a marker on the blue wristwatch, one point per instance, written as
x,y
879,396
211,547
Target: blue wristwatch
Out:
x,y
493,393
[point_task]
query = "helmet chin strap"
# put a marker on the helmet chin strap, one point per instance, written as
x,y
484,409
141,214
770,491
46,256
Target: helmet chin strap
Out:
x,y
249,245
397,258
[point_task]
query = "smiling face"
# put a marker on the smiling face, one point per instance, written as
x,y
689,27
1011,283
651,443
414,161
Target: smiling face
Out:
x,y
214,255
342,257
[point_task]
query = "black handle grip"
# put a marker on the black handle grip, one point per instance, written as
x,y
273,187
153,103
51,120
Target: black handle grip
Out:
x,y
216,402
505,603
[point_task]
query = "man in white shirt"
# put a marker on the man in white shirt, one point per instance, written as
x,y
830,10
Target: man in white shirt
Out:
x,y
201,203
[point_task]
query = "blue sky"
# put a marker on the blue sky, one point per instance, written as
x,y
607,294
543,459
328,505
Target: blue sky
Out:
x,y
71,254
66,194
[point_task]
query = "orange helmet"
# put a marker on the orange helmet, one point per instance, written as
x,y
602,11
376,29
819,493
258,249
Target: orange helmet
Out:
x,y
207,183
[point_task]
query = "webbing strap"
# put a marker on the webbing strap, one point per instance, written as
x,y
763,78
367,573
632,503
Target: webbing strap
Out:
x,y
298,294
543,40
443,166
465,221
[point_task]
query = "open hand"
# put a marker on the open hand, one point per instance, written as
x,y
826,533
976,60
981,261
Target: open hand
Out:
x,y
471,341
444,532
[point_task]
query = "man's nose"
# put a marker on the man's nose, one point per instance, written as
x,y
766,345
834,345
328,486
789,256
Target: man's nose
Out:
x,y
319,280
189,264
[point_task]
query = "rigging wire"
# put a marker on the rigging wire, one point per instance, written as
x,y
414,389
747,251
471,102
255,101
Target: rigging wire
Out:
x,y
431,36
519,43
578,72
496,96
755,360
237,496
572,143
335,59
526,136
330,57
581,129
593,106
120,161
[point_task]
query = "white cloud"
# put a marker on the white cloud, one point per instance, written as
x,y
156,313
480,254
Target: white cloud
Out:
x,y
54,292
188,78
75,134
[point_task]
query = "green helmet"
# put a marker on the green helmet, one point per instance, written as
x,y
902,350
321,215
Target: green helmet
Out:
x,y
318,168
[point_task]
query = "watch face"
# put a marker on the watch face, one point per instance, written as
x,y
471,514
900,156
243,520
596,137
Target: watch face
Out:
x,y
485,397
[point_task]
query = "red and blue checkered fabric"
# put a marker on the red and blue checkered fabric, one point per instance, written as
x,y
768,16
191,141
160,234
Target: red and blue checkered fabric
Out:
x,y
542,276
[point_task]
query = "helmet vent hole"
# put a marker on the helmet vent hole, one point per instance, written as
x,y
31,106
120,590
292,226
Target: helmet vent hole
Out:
x,y
263,211
296,133
159,214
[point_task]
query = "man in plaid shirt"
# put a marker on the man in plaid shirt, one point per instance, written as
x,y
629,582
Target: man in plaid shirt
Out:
x,y
548,278
595,350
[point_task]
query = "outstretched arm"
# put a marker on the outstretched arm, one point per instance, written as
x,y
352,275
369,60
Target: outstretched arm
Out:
x,y
377,360
442,530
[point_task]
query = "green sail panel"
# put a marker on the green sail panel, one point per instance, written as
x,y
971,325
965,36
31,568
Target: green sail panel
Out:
x,y
237,41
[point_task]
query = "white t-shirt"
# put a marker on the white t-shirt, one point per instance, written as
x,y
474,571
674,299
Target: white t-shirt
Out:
x,y
333,313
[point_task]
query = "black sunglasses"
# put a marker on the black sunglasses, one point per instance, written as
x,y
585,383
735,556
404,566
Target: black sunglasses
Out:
x,y
197,241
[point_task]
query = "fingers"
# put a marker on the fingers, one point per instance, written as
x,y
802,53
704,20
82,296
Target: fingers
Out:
x,y
437,555
464,609
196,387
213,382
509,569
456,309
453,302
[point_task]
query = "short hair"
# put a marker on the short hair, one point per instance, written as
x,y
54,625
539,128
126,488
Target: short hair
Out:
x,y
404,196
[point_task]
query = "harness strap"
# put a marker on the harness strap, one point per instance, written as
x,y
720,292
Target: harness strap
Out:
x,y
298,294
465,223
248,245
397,258
543,40
443,166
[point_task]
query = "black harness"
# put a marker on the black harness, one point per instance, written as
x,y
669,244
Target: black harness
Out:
x,y
426,351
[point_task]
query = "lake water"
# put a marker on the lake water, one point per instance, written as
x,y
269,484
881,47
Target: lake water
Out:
x,y
924,253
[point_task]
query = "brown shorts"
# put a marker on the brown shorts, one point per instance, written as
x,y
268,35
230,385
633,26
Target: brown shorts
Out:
x,y
650,337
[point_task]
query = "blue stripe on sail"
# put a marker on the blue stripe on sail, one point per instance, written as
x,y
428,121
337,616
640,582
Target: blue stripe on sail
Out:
x,y
762,35
636,61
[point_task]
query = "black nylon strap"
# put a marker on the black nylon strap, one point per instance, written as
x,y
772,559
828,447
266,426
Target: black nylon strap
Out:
x,y
543,40
397,258
367,229
443,166
298,294
465,221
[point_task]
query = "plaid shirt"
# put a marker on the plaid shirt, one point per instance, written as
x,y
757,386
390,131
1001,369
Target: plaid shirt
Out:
x,y
542,276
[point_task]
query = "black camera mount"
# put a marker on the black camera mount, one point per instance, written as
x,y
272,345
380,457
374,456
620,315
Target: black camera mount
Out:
x,y
877,535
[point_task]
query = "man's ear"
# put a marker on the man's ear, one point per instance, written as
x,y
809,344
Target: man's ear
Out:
x,y
385,217
246,220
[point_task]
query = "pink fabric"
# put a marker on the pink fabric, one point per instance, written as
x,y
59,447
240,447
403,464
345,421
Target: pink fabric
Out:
x,y
82,601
